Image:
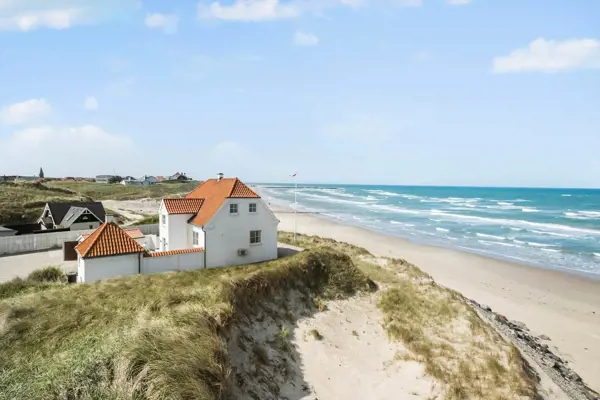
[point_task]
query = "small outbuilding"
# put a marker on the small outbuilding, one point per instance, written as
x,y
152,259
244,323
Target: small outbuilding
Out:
x,y
109,252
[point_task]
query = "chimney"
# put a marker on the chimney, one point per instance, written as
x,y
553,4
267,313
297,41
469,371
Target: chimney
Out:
x,y
109,218
219,176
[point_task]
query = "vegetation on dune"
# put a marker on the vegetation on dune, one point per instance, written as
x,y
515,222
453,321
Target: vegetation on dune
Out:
x,y
24,202
150,219
38,280
438,328
149,336
104,191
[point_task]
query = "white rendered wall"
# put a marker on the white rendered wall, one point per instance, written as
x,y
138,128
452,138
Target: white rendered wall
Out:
x,y
177,227
98,268
227,233
176,262
191,229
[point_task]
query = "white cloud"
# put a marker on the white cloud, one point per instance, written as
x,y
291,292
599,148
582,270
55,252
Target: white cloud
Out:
x,y
305,39
91,103
551,56
89,149
458,2
28,15
167,22
250,10
24,112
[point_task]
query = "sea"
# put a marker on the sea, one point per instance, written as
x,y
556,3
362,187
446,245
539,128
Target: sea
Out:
x,y
548,228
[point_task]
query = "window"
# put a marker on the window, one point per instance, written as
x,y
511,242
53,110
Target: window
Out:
x,y
255,237
252,207
164,219
233,209
195,239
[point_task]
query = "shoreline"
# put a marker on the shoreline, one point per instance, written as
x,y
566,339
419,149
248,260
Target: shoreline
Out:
x,y
562,305
284,209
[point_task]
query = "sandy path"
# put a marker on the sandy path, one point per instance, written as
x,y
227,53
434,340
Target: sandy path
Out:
x,y
563,306
354,360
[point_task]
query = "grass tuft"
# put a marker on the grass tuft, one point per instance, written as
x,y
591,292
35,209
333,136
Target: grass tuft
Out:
x,y
315,334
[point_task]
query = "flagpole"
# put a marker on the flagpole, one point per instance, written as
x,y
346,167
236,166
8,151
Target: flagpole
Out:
x,y
295,205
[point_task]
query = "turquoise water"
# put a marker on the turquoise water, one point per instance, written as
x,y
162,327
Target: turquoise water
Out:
x,y
551,228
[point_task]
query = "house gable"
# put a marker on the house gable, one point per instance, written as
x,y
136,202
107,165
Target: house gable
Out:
x,y
215,192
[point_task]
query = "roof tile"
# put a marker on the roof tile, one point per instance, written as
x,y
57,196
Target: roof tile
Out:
x,y
215,192
174,252
183,206
108,240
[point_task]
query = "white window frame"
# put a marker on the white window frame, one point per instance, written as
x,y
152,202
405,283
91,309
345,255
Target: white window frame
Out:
x,y
250,207
195,238
232,207
257,237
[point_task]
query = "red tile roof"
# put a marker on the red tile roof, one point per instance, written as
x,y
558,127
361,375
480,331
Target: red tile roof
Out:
x,y
183,206
174,252
134,233
108,240
215,192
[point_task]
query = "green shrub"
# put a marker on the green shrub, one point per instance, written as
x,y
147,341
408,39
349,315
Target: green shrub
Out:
x,y
48,274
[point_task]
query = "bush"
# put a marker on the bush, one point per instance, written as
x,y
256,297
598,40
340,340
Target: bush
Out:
x,y
48,274
37,281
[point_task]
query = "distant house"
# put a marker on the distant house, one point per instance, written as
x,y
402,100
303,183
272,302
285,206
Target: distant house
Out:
x,y
7,231
160,178
75,216
103,178
144,180
178,176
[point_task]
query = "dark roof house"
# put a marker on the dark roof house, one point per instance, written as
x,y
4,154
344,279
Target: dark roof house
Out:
x,y
64,215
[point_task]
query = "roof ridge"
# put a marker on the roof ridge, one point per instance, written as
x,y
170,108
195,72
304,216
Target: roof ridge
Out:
x,y
119,243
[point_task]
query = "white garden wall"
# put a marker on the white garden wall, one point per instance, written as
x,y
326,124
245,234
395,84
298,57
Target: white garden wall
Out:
x,y
176,262
95,269
54,240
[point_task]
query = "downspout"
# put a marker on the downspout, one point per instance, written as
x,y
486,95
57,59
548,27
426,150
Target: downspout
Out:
x,y
205,237
139,263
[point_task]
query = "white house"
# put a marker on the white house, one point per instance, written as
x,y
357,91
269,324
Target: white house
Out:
x,y
225,217
220,223
144,180
103,178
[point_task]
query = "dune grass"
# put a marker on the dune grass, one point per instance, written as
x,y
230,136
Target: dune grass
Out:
x,y
115,191
438,328
148,220
38,280
148,336
24,202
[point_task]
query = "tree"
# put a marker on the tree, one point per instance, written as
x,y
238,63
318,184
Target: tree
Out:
x,y
41,173
115,179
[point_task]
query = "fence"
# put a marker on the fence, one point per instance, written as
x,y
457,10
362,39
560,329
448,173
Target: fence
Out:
x,y
54,240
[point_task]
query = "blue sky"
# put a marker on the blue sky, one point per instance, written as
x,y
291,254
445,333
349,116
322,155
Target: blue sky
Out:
x,y
442,92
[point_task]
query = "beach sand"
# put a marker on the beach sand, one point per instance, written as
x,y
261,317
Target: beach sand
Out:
x,y
563,306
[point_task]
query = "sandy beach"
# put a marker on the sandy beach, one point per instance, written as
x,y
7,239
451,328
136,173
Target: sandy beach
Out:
x,y
565,307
